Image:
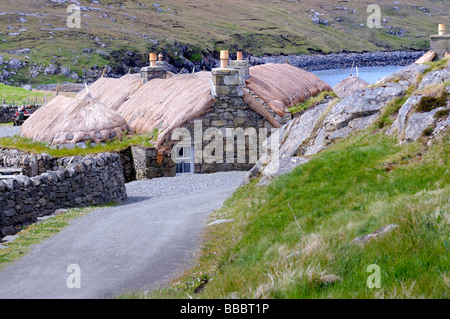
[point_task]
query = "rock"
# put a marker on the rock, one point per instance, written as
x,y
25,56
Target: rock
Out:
x,y
10,238
15,64
318,144
359,110
406,76
27,87
284,166
220,221
51,70
435,77
378,233
418,123
400,122
299,130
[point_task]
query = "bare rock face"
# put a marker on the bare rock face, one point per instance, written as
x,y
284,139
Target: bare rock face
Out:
x,y
436,77
418,123
359,110
399,124
406,76
318,127
287,142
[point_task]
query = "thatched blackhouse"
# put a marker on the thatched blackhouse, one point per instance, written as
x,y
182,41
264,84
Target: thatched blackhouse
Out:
x,y
349,85
69,121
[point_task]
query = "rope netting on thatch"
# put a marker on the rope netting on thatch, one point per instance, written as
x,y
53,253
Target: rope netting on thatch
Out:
x,y
168,104
74,120
282,85
349,85
113,92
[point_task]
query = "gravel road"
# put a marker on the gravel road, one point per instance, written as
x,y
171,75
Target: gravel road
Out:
x,y
136,246
7,131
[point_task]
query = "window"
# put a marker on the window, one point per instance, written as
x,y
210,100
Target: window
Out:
x,y
185,159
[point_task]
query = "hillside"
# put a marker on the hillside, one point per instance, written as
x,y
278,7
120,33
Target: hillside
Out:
x,y
119,34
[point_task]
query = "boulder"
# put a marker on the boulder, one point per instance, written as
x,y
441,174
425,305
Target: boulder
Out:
x,y
435,77
400,122
406,76
418,123
359,110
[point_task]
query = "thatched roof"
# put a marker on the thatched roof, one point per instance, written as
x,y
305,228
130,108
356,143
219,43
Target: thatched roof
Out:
x,y
282,85
113,92
167,104
349,85
80,120
37,123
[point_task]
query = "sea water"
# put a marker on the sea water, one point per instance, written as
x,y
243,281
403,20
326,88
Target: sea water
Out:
x,y
368,74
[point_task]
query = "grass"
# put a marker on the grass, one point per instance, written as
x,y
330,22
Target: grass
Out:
x,y
116,145
311,102
294,238
40,231
256,27
19,95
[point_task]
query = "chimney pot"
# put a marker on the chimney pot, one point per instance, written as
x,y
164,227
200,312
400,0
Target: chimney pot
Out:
x,y
153,59
224,56
160,57
239,56
441,29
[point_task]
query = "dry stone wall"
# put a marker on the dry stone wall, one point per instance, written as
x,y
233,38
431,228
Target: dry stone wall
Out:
x,y
8,112
85,181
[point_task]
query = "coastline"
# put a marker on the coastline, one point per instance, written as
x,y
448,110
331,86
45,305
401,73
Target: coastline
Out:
x,y
343,60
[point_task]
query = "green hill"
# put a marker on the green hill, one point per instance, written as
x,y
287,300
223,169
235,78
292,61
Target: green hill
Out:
x,y
294,239
114,33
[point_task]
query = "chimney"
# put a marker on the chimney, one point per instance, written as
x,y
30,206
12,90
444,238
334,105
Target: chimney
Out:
x,y
243,68
225,82
153,71
440,43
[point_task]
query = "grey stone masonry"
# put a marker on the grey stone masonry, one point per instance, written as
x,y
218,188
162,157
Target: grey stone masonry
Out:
x,y
440,44
8,112
243,67
149,73
228,112
86,181
147,166
226,83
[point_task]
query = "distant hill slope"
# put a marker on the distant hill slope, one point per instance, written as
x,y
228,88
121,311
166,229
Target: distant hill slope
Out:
x,y
118,33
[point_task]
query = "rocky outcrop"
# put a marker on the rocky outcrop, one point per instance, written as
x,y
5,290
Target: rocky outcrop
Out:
x,y
322,125
359,110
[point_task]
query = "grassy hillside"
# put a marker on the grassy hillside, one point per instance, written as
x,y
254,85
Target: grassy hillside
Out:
x,y
115,29
19,96
294,239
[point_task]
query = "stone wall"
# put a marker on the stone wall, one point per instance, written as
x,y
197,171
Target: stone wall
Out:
x,y
147,166
229,111
153,72
440,44
8,112
30,164
84,182
126,159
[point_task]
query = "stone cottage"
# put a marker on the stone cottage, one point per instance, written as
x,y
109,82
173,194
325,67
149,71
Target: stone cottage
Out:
x,y
207,121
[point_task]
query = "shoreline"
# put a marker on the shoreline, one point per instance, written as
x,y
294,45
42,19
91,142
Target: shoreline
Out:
x,y
342,60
